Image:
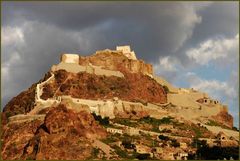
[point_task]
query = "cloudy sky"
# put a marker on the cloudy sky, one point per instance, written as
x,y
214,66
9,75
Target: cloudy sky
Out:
x,y
191,44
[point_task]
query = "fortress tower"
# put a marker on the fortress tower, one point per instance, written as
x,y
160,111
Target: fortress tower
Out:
x,y
127,52
70,58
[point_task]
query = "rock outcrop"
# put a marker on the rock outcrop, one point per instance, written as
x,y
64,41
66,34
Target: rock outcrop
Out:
x,y
115,60
64,134
224,118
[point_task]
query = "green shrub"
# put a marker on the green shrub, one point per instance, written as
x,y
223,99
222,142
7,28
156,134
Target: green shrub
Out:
x,y
143,156
126,122
102,121
120,152
108,140
174,143
162,137
95,152
166,89
127,144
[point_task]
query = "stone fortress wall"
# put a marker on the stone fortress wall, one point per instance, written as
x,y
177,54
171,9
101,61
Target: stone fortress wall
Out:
x,y
187,97
109,108
70,63
39,91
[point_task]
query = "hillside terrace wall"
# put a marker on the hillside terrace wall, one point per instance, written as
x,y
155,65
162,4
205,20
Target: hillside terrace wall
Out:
x,y
103,108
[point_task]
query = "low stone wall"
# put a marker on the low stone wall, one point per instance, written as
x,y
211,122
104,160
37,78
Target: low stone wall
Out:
x,y
39,88
23,118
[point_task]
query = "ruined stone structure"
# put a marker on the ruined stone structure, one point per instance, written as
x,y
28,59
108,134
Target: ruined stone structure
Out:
x,y
126,50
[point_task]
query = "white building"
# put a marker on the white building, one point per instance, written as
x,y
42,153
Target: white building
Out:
x,y
114,131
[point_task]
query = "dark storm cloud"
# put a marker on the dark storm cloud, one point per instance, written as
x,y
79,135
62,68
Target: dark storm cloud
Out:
x,y
219,19
151,28
27,62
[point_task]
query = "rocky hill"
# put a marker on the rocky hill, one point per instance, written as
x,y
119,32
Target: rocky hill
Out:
x,y
110,105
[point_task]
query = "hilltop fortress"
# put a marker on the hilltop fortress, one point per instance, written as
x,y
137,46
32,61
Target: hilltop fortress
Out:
x,y
180,102
85,103
186,103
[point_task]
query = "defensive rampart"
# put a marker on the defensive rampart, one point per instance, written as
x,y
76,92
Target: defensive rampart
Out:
x,y
39,91
91,69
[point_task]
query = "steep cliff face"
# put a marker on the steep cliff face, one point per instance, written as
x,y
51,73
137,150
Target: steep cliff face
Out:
x,y
224,118
64,134
114,60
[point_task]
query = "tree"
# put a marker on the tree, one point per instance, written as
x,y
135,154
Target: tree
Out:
x,y
143,156
103,121
162,137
